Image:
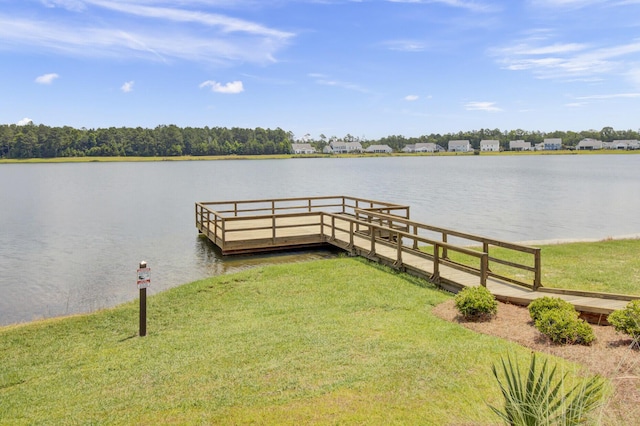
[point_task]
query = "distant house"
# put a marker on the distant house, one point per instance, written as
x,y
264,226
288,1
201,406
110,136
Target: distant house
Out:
x,y
337,147
519,145
490,145
459,146
354,147
302,148
409,148
426,147
380,149
589,144
625,144
552,144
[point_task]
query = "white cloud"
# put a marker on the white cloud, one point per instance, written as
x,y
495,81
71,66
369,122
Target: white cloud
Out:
x,y
127,87
73,5
194,35
411,98
611,96
24,121
405,45
567,61
229,88
474,6
327,81
482,106
46,78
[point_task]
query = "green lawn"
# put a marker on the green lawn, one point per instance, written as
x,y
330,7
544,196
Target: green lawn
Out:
x,y
611,266
337,341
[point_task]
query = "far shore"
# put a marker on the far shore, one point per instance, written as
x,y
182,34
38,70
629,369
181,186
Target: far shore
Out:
x,y
297,156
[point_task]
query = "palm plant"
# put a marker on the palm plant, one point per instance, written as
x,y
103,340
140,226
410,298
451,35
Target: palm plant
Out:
x,y
538,398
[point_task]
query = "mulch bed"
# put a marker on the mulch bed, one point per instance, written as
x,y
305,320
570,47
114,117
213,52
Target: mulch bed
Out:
x,y
609,356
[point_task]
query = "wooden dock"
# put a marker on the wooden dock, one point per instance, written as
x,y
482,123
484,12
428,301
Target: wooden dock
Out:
x,y
383,232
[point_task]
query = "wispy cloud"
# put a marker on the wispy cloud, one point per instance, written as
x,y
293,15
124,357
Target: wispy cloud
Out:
x,y
327,81
568,61
611,96
232,87
474,6
405,45
139,29
482,106
411,98
127,87
46,78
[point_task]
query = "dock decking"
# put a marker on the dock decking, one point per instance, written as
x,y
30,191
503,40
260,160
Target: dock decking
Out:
x,y
383,232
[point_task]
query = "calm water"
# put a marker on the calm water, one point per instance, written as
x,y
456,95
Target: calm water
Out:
x,y
71,235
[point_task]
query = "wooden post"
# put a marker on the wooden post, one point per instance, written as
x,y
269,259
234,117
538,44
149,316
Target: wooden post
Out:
x,y
445,255
436,263
484,265
537,281
333,228
351,235
415,241
399,249
273,228
485,248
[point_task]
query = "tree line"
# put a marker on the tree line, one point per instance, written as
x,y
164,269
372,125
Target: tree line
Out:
x,y
569,138
41,141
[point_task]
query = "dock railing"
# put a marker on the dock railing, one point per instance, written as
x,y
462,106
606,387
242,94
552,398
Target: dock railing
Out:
x,y
395,237
412,229
215,219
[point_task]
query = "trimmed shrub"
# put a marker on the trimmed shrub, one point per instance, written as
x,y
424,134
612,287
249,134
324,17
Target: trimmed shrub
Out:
x,y
544,304
627,320
476,303
564,326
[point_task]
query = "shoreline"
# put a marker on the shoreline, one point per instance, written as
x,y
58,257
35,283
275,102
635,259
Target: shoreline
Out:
x,y
134,159
556,241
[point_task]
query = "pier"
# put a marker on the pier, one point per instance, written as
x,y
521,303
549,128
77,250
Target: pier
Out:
x,y
384,232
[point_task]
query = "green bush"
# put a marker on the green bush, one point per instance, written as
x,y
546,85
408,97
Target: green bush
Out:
x,y
627,320
564,326
544,304
476,303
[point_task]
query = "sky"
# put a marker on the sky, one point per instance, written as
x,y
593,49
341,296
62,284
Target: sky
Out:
x,y
366,68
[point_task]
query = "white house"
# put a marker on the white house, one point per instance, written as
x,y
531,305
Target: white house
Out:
x,y
519,145
302,148
409,148
625,144
426,147
552,144
459,146
589,144
490,145
354,147
384,149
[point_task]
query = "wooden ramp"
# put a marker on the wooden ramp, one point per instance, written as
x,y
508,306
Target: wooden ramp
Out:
x,y
383,232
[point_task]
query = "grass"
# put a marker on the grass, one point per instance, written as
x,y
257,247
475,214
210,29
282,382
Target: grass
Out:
x,y
610,266
332,341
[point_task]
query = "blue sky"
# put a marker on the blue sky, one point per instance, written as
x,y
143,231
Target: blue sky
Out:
x,y
368,68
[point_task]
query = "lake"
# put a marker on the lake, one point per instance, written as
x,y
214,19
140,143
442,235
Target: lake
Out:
x,y
72,234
